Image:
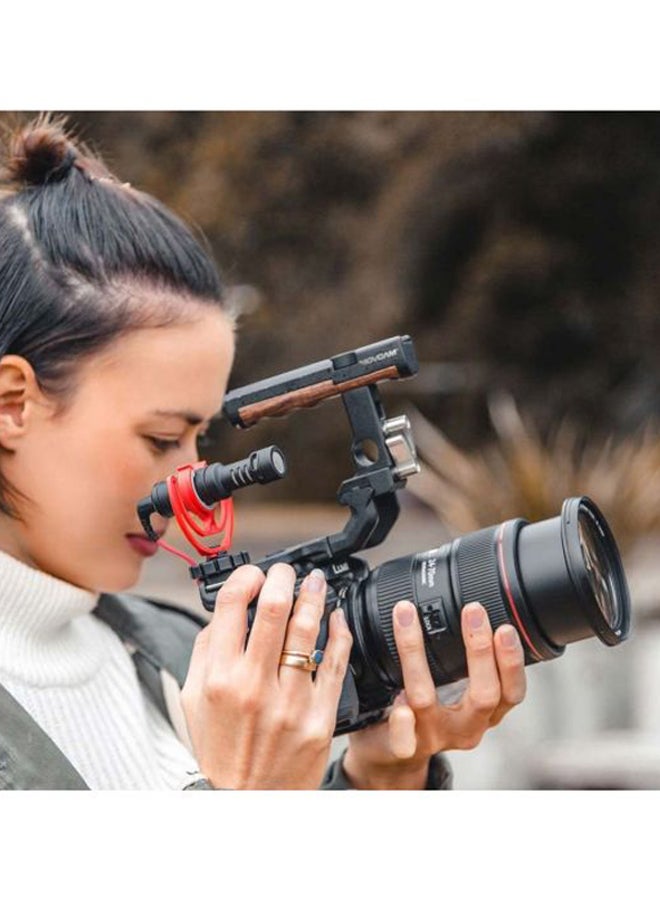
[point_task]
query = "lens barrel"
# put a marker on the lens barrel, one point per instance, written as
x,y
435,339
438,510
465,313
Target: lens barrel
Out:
x,y
557,581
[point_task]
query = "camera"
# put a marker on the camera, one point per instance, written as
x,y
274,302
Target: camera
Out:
x,y
556,581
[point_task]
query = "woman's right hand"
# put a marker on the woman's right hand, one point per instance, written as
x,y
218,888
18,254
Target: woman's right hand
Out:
x,y
255,724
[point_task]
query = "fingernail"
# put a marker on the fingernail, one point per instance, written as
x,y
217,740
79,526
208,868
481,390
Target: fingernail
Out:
x,y
315,581
405,614
476,617
509,637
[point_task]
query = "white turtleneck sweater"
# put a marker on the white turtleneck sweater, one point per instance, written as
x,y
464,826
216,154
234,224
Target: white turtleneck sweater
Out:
x,y
75,677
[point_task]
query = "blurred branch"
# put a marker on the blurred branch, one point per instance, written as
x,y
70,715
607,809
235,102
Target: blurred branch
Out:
x,y
520,474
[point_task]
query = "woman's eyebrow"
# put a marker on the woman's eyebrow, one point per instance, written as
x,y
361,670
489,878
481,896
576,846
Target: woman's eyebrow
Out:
x,y
190,417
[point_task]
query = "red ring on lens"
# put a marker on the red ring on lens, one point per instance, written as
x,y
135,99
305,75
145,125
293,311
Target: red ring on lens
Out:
x,y
509,594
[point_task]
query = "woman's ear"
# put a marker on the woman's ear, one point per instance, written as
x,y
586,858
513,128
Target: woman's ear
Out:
x,y
19,392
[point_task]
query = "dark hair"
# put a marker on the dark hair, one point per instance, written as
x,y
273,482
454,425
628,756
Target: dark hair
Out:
x,y
76,246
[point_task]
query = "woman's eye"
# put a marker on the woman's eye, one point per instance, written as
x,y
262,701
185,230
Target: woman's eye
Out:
x,y
163,445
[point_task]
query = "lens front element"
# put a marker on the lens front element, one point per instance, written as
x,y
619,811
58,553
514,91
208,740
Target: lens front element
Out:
x,y
599,569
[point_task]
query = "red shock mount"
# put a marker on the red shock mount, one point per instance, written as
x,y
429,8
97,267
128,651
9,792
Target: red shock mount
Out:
x,y
209,520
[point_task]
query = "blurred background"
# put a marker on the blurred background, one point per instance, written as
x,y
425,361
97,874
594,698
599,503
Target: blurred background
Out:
x,y
521,251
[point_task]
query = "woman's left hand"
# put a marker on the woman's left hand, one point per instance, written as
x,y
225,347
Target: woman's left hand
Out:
x,y
395,754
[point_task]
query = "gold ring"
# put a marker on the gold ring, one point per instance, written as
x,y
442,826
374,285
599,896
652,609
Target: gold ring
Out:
x,y
307,661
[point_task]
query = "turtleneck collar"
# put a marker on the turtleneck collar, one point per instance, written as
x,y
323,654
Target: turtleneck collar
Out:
x,y
39,614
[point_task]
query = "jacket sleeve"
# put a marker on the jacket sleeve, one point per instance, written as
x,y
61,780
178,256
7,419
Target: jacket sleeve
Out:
x,y
440,776
199,784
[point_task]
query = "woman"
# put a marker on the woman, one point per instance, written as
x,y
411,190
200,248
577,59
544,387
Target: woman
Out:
x,y
115,351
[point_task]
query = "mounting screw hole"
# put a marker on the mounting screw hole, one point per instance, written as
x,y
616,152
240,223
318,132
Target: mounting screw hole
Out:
x,y
366,452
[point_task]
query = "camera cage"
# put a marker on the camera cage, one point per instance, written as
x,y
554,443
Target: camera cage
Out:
x,y
383,454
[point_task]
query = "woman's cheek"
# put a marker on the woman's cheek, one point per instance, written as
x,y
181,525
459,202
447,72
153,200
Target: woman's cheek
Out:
x,y
122,479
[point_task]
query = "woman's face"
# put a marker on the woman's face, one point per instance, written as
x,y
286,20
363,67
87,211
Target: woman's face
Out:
x,y
125,429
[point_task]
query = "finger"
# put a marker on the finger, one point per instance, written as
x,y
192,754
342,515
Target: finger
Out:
x,y
331,672
403,740
270,622
303,628
228,626
510,660
417,679
484,691
198,660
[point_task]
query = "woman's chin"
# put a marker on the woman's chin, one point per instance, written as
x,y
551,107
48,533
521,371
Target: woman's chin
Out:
x,y
121,577
125,568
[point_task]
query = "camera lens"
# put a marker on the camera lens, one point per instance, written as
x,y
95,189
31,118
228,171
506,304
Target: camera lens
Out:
x,y
557,581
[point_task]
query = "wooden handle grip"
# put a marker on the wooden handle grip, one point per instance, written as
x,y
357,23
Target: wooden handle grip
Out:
x,y
308,396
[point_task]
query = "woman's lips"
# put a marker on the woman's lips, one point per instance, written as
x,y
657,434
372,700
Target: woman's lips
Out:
x,y
142,545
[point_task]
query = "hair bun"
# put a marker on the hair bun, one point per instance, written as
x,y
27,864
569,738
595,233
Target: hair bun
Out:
x,y
39,152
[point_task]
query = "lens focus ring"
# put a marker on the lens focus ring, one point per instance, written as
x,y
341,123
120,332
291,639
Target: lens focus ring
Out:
x,y
394,583
478,575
